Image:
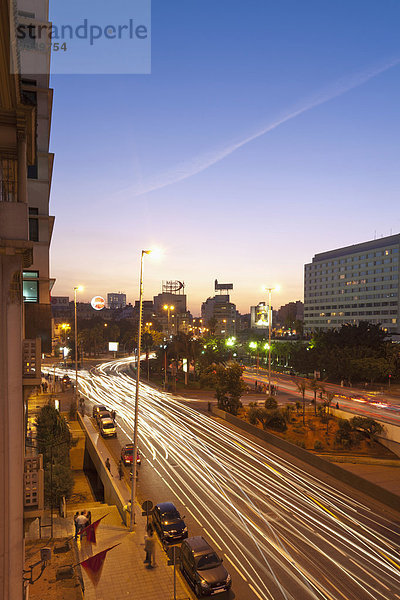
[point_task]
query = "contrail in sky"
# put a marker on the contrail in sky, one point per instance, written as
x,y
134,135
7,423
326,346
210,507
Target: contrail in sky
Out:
x,y
198,164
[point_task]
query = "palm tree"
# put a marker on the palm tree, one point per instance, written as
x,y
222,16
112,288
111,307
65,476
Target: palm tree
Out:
x,y
313,384
301,386
329,397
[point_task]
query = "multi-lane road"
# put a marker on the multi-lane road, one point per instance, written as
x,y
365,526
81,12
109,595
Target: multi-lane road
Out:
x,y
364,403
283,531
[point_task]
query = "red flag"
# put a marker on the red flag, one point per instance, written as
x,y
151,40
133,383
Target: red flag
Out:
x,y
94,565
90,531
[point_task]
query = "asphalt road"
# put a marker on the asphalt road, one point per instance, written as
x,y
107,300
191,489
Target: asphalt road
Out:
x,y
284,531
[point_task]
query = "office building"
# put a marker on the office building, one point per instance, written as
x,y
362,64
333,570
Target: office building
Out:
x,y
173,294
352,284
116,300
290,313
219,314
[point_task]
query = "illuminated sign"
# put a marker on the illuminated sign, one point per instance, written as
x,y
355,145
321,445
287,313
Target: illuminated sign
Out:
x,y
98,303
259,316
113,346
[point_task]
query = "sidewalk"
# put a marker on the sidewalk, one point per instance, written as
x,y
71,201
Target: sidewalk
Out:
x,y
124,573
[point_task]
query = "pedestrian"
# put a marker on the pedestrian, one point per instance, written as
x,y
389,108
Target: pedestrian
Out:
x,y
150,547
120,470
108,464
76,515
337,404
89,517
147,544
113,415
81,521
128,507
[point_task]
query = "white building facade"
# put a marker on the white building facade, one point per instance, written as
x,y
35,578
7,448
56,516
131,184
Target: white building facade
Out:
x,y
352,284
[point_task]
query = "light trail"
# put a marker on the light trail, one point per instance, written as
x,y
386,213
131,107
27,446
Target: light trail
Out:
x,y
287,533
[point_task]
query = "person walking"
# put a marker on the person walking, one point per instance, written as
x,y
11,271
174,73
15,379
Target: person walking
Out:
x,y
120,470
108,464
147,544
150,547
113,415
89,517
81,521
76,515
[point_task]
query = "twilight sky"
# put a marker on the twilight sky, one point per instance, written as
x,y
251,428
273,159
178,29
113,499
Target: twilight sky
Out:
x,y
266,132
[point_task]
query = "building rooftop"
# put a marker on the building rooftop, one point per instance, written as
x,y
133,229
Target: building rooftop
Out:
x,y
362,247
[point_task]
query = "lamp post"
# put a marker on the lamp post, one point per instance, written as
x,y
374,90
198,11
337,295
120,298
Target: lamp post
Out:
x,y
270,290
78,288
135,428
168,308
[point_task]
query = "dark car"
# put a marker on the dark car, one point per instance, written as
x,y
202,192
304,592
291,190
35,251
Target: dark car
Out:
x,y
103,414
169,524
97,408
127,455
203,568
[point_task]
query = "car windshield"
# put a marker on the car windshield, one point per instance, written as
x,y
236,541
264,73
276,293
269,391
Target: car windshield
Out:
x,y
208,561
108,425
169,517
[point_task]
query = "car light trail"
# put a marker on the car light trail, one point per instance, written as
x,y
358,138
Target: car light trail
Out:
x,y
287,533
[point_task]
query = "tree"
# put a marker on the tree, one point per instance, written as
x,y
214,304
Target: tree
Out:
x,y
229,388
329,397
369,426
301,386
314,387
272,419
54,442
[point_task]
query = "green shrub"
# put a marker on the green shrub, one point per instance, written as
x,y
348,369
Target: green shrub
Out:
x,y
271,403
252,415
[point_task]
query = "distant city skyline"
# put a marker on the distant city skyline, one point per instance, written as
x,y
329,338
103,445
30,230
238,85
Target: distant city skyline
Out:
x,y
246,151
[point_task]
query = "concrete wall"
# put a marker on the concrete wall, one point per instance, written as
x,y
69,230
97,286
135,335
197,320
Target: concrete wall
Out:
x,y
111,492
332,469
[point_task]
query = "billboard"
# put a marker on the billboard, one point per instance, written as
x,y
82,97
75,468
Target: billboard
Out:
x,y
98,302
259,316
113,346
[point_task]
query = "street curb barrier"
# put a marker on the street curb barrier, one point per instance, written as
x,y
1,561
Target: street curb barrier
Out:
x,y
111,494
359,483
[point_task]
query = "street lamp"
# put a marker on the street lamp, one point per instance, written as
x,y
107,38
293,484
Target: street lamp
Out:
x,y
135,429
270,290
168,308
78,288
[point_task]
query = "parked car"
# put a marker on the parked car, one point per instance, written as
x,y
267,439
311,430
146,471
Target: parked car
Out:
x,y
107,428
127,455
203,568
103,414
97,408
169,524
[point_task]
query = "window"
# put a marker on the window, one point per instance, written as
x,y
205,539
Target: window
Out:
x,y
33,225
30,288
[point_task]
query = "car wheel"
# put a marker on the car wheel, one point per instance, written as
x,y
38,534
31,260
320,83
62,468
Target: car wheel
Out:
x,y
197,590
